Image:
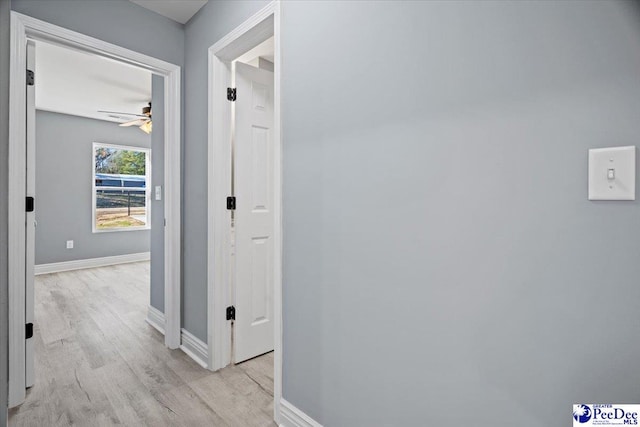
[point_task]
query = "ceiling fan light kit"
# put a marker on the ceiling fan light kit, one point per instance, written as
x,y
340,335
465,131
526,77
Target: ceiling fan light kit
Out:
x,y
146,127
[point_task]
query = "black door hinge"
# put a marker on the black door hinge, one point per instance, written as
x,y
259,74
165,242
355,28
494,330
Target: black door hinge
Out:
x,y
231,94
31,78
231,313
29,204
231,203
28,330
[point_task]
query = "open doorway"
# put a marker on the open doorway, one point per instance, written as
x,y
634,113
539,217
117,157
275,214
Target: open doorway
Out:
x,y
245,232
252,221
134,193
90,174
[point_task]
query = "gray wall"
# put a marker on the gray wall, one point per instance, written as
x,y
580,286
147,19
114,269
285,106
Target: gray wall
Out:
x,y
152,34
64,172
212,22
442,265
116,21
157,206
494,283
5,6
125,24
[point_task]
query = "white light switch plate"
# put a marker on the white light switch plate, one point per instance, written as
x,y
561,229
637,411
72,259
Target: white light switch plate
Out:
x,y
612,173
158,192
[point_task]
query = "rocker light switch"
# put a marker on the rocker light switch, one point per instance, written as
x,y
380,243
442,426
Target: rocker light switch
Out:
x,y
612,173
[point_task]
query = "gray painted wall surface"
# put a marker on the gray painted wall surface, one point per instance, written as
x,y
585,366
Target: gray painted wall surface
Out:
x,y
64,170
122,23
157,206
116,21
442,265
211,23
152,34
5,7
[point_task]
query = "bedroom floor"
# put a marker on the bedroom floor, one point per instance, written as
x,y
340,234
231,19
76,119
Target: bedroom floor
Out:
x,y
99,363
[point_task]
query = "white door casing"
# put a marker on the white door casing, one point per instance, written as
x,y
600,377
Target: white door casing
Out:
x,y
24,27
30,218
250,33
254,214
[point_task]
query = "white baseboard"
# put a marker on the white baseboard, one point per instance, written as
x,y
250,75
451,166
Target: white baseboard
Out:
x,y
80,264
294,417
194,348
190,344
155,318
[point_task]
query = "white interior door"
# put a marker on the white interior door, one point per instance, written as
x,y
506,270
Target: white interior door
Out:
x,y
254,218
30,220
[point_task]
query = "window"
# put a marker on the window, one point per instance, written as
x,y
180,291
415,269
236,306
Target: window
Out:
x,y
120,188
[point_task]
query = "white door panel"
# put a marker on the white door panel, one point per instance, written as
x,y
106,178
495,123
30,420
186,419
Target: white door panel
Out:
x,y
30,219
254,220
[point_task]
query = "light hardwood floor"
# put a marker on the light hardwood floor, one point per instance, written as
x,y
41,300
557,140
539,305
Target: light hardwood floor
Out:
x,y
98,363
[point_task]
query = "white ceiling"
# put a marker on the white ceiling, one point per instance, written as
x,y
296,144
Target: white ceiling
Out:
x,y
178,10
264,50
81,84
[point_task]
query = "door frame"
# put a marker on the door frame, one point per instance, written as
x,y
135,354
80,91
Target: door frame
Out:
x,y
24,27
262,25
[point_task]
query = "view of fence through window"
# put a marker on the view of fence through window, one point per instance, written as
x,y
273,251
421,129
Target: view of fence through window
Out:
x,y
120,187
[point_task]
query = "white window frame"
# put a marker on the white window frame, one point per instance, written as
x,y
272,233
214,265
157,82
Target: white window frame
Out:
x,y
147,189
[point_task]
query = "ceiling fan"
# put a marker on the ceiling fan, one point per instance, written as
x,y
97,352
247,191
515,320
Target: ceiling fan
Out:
x,y
143,121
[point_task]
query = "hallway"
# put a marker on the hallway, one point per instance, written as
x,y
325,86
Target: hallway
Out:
x,y
98,362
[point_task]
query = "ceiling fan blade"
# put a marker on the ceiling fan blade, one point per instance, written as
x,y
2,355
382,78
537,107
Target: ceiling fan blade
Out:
x,y
121,113
136,122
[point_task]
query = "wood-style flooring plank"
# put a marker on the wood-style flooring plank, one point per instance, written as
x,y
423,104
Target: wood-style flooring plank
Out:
x,y
98,363
260,370
236,398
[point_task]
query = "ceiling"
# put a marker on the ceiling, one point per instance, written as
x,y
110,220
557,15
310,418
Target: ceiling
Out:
x,y
81,84
178,10
264,50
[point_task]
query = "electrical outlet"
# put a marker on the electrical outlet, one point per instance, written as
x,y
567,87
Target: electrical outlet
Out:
x,y
69,244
